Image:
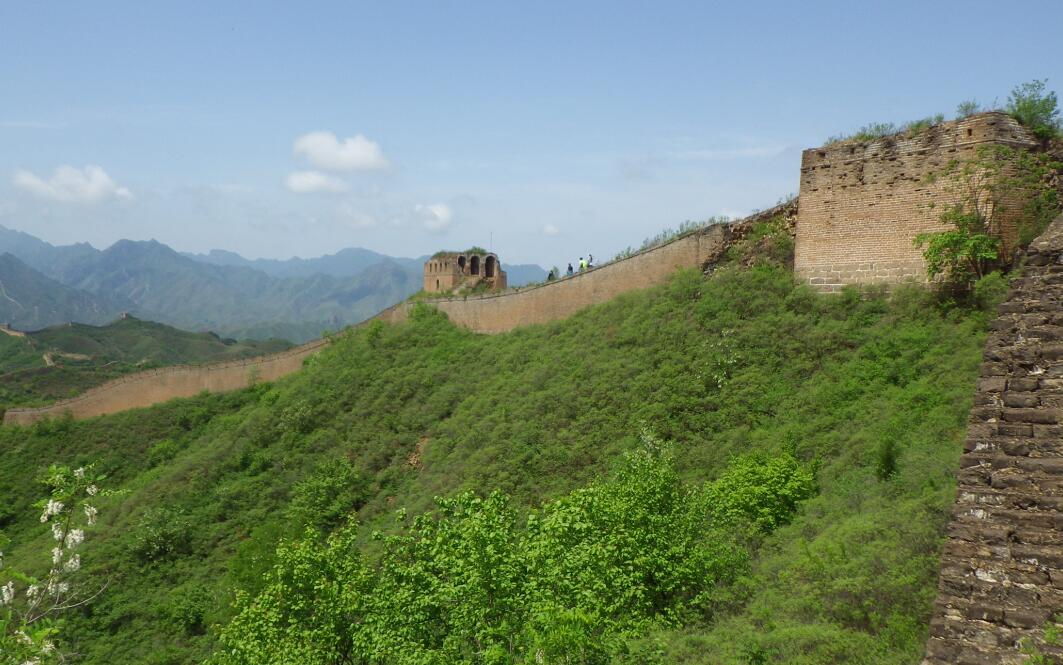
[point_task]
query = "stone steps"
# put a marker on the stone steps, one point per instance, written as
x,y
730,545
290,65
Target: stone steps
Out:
x,y
1002,565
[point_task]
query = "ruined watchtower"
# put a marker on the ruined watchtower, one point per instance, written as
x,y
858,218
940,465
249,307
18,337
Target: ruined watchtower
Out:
x,y
863,203
450,271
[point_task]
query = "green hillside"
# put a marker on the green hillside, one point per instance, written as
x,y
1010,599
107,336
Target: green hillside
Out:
x,y
813,439
64,360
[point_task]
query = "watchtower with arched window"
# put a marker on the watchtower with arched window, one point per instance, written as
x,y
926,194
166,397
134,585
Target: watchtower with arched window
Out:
x,y
463,271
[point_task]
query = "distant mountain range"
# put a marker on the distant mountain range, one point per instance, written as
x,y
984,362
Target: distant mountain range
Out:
x,y
30,300
295,299
350,262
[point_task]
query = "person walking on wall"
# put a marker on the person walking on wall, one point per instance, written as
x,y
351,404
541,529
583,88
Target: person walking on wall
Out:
x,y
590,260
570,270
582,264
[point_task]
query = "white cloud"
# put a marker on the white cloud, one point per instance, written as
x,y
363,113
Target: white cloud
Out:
x,y
435,217
88,185
325,151
551,230
349,216
308,182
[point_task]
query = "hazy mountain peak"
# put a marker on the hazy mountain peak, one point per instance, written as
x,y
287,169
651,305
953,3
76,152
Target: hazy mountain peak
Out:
x,y
294,298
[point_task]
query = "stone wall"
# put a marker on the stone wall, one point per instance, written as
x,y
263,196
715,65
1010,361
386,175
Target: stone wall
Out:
x,y
166,383
496,313
489,313
862,204
1002,566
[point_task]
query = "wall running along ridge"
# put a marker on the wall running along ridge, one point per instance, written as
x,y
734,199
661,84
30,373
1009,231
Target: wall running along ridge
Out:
x,y
863,204
550,301
1002,566
491,313
163,384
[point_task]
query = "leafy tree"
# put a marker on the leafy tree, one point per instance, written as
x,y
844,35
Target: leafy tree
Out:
x,y
1037,108
964,253
471,583
1000,185
760,492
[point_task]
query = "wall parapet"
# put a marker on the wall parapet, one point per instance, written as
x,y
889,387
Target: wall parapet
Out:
x,y
1002,566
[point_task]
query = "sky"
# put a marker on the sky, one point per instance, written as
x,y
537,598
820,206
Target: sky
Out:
x,y
544,130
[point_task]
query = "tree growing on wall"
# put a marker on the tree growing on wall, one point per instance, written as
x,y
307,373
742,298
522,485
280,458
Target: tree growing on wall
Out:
x,y
1037,108
1001,188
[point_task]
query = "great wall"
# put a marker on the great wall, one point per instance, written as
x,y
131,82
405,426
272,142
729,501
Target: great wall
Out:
x,y
143,389
859,209
487,313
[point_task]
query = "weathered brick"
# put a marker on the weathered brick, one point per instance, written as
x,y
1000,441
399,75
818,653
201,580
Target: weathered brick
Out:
x,y
1039,416
992,384
1021,400
1025,384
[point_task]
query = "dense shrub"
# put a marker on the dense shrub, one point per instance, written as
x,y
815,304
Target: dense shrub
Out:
x,y
160,534
471,583
760,492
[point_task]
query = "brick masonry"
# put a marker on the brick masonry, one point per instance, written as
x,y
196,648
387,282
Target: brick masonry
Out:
x,y
159,385
863,204
446,271
1002,565
542,303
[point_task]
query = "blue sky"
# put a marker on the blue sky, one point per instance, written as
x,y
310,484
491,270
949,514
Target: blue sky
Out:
x,y
547,129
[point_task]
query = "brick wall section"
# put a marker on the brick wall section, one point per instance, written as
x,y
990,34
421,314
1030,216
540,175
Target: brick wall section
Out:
x,y
166,383
1002,565
862,204
496,313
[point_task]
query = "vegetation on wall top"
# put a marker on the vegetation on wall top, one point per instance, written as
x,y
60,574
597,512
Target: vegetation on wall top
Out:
x,y
1036,108
1032,104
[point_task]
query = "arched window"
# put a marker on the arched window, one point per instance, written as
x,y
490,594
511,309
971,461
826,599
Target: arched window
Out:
x,y
461,263
474,265
489,266
437,285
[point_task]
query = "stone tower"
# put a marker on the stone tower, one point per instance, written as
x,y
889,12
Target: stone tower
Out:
x,y
451,271
863,203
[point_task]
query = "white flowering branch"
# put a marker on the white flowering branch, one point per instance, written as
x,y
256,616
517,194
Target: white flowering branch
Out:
x,y
31,608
